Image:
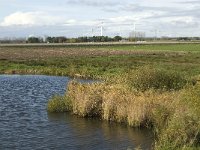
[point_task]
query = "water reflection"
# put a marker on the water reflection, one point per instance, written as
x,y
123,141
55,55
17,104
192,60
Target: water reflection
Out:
x,y
95,134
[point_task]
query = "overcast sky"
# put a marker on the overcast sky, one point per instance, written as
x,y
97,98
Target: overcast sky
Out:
x,y
72,18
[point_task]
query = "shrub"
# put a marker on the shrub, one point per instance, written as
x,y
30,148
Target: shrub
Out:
x,y
150,78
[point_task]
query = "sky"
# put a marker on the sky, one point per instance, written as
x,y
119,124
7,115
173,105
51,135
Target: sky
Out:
x,y
74,18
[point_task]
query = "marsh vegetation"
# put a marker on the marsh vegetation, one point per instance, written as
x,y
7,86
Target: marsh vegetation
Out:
x,y
153,86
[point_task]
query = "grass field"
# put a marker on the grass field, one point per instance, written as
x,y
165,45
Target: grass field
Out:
x,y
152,85
98,61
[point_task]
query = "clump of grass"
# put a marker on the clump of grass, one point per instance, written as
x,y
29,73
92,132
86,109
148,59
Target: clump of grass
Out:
x,y
113,102
146,78
86,98
59,104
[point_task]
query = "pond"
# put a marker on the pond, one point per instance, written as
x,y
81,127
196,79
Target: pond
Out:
x,y
25,123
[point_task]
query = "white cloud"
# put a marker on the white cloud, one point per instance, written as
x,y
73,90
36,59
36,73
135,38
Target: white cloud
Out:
x,y
70,22
184,21
132,18
30,19
73,22
96,3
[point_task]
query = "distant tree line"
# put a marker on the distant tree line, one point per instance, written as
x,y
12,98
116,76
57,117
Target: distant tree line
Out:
x,y
13,40
83,39
62,39
136,37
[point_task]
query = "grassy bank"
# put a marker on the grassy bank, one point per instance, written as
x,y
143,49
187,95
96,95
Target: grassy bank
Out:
x,y
143,85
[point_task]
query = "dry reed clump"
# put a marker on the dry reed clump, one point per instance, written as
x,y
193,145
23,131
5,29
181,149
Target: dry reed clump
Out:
x,y
116,103
86,98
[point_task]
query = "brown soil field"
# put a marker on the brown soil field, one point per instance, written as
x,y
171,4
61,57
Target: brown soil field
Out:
x,y
42,52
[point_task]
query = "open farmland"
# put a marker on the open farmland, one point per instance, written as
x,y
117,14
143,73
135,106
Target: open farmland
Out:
x,y
47,51
98,60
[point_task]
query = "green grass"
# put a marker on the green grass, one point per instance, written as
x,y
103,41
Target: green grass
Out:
x,y
98,67
160,47
59,104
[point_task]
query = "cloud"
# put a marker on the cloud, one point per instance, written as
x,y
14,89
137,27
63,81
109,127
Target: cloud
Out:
x,y
29,19
96,3
190,2
138,7
181,21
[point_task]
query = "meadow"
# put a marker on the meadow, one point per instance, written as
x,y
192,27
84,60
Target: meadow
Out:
x,y
149,85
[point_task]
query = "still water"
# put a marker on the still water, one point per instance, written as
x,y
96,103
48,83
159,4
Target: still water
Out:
x,y
25,123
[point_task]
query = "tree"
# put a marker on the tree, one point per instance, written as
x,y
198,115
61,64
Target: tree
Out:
x,y
117,38
34,40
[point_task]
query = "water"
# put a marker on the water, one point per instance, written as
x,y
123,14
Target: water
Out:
x,y
25,123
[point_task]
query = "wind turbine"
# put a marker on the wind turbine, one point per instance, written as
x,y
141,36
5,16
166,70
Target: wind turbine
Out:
x,y
120,31
134,30
92,32
101,28
156,32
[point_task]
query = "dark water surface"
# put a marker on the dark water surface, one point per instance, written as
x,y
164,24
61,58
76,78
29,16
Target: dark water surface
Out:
x,y
25,123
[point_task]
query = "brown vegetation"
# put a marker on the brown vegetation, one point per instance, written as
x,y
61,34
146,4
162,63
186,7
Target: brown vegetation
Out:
x,y
42,52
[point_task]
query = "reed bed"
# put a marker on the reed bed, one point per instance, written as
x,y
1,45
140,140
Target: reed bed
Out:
x,y
172,112
116,103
